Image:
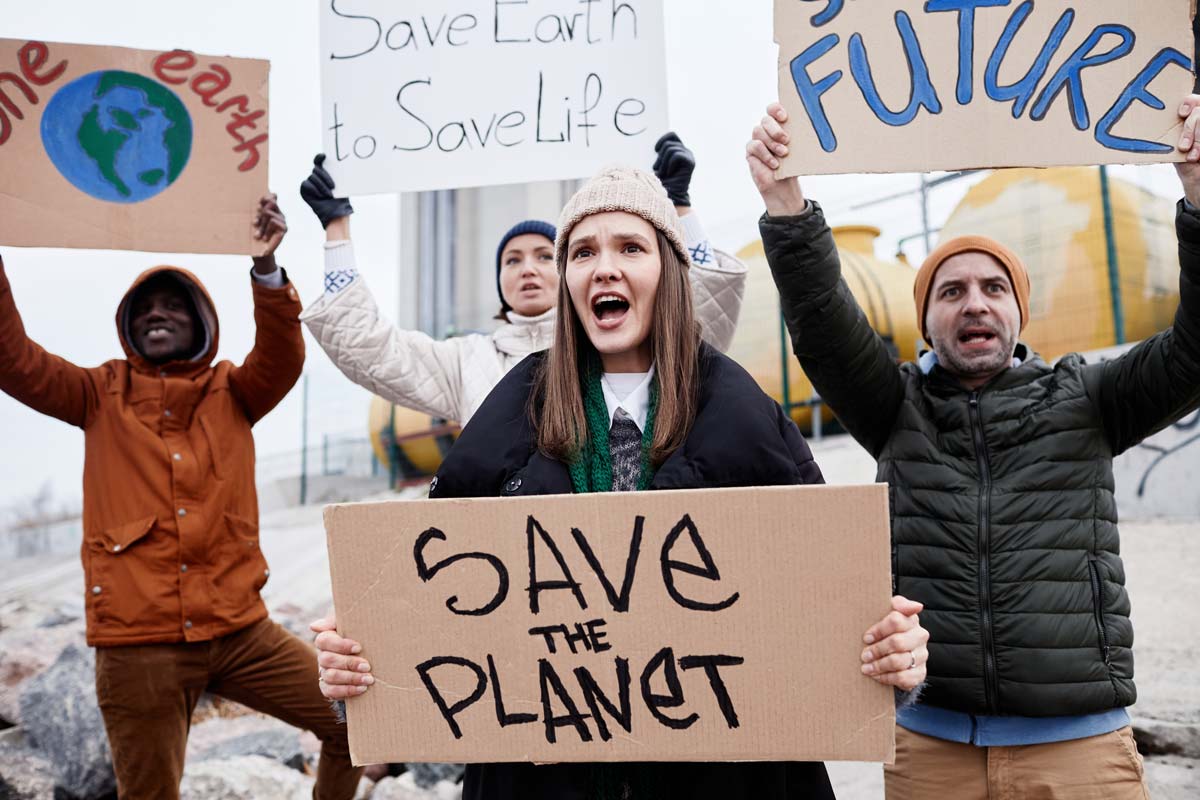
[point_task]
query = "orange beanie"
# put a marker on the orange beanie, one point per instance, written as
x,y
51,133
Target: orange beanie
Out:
x,y
1017,274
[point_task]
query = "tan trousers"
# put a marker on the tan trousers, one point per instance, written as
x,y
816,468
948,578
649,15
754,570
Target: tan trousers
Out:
x,y
1105,767
147,694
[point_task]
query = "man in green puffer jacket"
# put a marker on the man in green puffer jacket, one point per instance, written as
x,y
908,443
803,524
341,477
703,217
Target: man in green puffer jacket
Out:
x,y
1004,521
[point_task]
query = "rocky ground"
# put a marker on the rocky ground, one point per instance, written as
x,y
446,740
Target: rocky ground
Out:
x,y
53,745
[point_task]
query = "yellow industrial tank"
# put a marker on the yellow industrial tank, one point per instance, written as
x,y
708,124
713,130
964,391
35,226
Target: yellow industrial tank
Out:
x,y
421,441
882,288
1054,220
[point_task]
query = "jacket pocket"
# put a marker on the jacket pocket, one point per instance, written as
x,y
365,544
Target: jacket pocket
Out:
x,y
242,571
121,583
1098,605
121,538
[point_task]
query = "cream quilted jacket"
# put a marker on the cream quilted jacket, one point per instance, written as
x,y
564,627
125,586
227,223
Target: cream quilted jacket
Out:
x,y
449,379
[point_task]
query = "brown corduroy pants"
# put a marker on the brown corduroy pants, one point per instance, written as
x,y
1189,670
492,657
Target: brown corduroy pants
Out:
x,y
1105,767
147,694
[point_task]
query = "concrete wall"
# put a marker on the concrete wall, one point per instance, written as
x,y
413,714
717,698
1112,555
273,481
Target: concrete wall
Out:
x,y
459,288
1160,478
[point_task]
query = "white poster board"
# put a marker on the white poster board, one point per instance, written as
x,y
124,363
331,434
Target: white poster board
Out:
x,y
437,94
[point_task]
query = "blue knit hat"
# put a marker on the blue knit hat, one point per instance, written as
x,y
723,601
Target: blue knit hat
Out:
x,y
520,229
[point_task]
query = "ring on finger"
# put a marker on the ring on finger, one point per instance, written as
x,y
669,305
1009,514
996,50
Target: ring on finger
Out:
x,y
913,665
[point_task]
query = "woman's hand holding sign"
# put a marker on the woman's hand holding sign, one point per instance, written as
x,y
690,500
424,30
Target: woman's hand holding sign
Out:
x,y
896,654
343,672
768,144
897,649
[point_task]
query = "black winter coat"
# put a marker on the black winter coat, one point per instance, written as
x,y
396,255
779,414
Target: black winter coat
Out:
x,y
1004,521
740,438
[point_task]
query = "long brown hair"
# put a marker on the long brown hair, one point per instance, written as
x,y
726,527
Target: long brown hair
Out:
x,y
557,398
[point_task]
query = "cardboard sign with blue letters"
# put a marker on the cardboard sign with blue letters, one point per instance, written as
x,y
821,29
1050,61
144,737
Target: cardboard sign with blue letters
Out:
x,y
921,85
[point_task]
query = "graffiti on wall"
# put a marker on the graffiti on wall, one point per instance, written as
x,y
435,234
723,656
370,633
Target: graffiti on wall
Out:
x,y
1188,432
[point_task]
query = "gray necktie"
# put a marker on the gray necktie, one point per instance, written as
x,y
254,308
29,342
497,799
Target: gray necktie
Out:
x,y
625,449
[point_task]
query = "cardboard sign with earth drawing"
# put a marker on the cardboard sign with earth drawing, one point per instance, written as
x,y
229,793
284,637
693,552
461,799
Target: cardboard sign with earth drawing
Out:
x,y
113,148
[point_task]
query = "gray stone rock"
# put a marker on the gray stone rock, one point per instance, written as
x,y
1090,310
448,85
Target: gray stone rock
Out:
x,y
25,653
62,722
428,775
24,775
365,787
294,620
59,617
210,706
1173,778
1157,737
281,746
243,778
221,738
405,788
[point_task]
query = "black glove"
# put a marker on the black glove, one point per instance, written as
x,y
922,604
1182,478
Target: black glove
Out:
x,y
317,191
674,167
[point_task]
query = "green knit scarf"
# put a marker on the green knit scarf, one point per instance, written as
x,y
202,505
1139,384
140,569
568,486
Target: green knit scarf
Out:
x,y
591,469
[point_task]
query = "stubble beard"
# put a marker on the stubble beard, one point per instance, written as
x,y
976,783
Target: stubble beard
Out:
x,y
978,366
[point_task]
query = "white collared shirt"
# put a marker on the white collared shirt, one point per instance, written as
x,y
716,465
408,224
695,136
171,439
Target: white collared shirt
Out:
x,y
629,391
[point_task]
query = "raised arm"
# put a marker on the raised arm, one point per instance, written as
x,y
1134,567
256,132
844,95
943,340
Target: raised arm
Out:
x,y
1158,382
841,354
718,279
275,362
45,382
404,367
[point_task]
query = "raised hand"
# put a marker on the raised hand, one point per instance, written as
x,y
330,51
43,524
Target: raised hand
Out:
x,y
1189,170
769,143
270,225
317,191
674,167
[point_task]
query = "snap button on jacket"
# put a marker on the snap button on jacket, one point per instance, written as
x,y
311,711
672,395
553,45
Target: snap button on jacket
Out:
x,y
170,514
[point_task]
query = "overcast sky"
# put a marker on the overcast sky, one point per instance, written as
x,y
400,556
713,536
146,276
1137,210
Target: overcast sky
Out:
x,y
721,74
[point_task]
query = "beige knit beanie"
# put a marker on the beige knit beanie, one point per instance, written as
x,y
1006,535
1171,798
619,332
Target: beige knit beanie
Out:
x,y
628,189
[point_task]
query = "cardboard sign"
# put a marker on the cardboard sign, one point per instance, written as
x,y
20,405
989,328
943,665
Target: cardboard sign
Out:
x,y
919,85
112,148
717,625
438,94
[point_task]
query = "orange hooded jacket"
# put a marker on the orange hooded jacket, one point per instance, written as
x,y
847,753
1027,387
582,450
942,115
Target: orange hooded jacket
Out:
x,y
170,512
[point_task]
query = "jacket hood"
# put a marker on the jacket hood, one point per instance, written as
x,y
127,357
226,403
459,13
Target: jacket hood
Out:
x,y
202,303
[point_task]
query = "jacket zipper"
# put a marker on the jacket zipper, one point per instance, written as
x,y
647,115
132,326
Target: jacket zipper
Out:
x,y
985,535
1098,607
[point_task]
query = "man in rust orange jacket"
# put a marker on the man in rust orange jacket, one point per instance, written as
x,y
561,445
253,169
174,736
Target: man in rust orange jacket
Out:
x,y
170,548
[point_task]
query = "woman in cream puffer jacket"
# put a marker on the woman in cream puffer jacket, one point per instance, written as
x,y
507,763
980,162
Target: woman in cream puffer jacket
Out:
x,y
449,379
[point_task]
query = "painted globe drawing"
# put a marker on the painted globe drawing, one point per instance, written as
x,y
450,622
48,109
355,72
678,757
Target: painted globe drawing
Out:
x,y
117,136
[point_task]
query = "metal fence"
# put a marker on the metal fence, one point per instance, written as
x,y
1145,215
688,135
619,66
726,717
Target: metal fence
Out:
x,y
34,539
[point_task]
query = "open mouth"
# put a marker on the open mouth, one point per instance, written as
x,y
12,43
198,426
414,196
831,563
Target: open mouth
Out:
x,y
976,337
157,333
530,287
610,308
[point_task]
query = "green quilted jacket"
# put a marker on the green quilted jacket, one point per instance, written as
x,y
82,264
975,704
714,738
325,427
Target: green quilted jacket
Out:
x,y
1004,521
